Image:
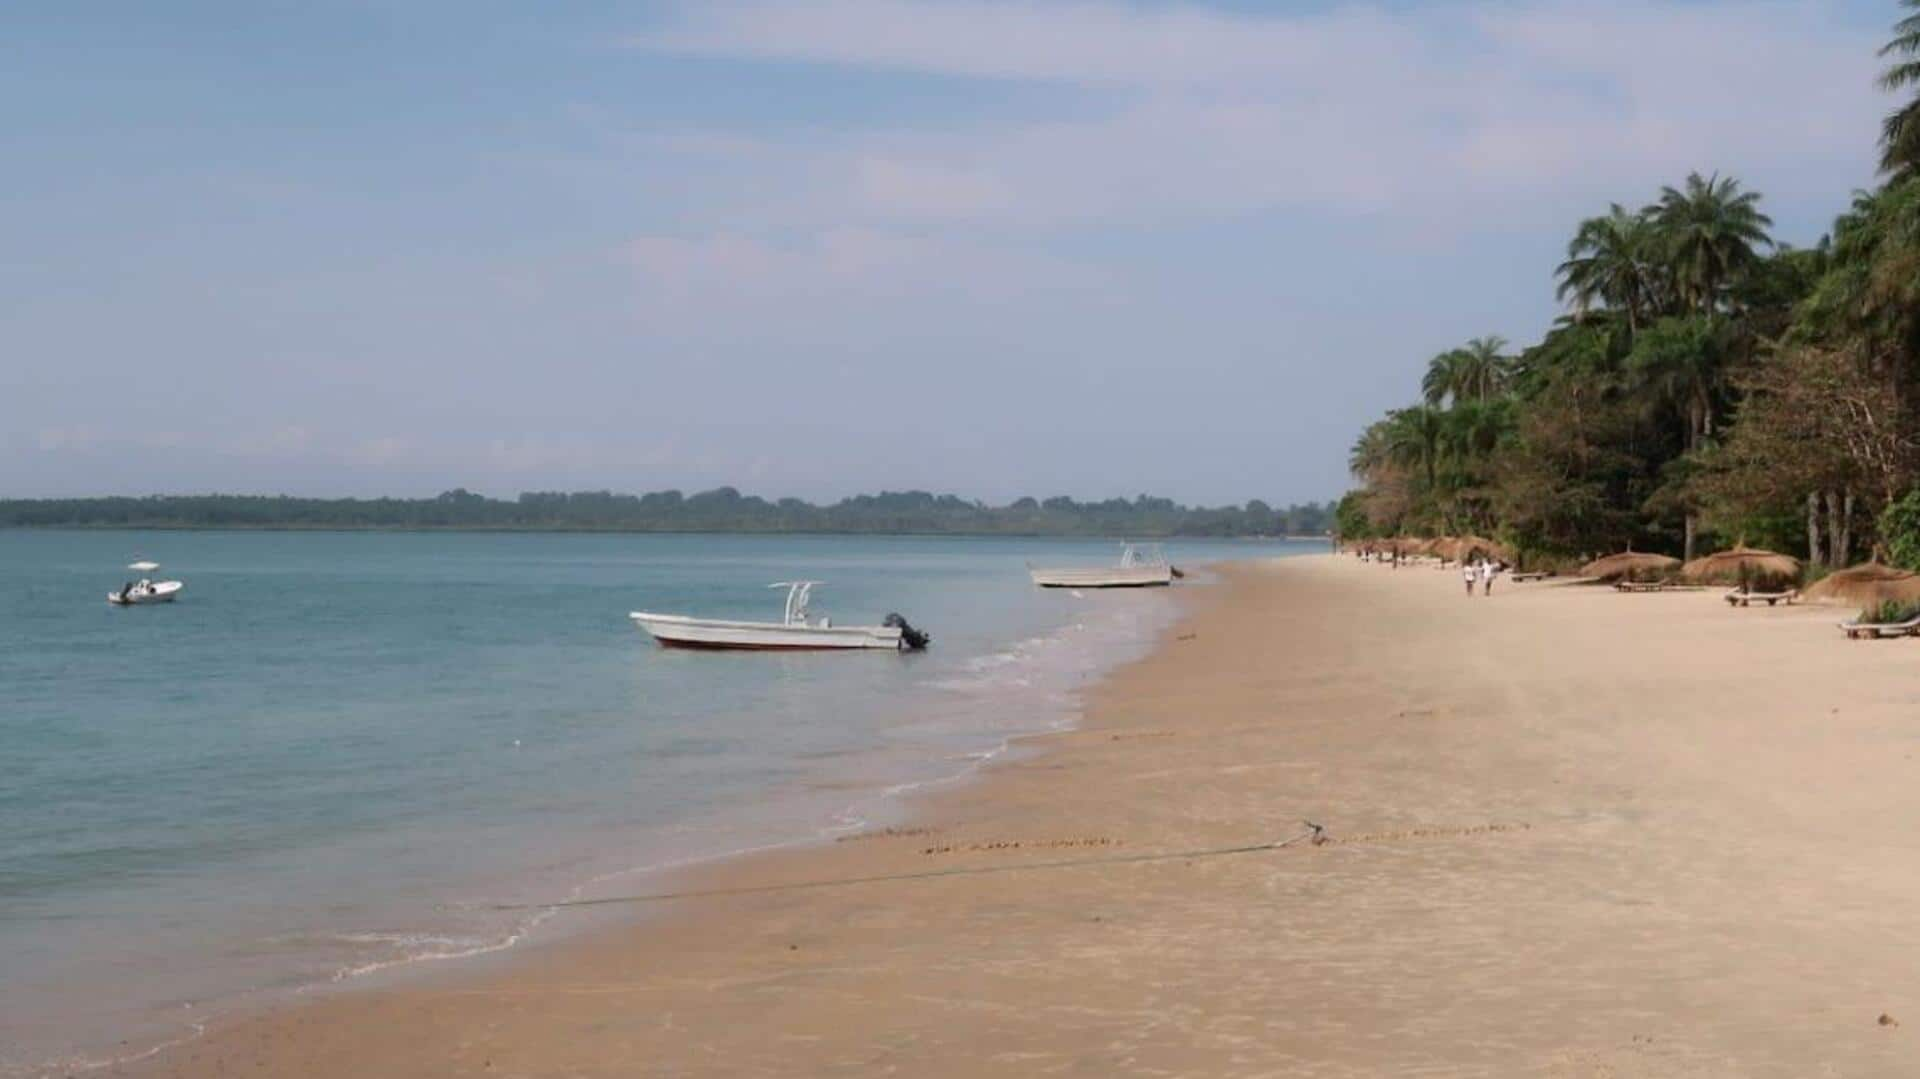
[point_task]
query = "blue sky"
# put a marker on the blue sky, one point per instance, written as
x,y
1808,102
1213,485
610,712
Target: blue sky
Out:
x,y
1093,247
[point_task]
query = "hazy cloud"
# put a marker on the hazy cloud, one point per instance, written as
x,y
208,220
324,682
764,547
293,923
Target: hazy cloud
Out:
x,y
1353,109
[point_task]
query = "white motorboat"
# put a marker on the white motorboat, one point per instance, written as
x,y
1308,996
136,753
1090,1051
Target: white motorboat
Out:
x,y
794,632
146,589
1139,567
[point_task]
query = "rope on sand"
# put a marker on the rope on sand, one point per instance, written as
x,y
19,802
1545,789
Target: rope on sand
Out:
x,y
1315,834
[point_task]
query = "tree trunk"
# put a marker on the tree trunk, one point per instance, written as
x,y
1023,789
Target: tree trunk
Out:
x,y
1836,538
1813,530
1687,546
1844,549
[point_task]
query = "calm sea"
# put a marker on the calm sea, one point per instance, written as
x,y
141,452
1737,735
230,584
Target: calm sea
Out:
x,y
313,765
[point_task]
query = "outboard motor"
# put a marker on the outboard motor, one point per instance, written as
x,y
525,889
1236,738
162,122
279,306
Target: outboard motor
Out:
x,y
911,639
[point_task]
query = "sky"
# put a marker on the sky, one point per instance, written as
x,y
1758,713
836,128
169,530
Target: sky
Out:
x,y
1088,247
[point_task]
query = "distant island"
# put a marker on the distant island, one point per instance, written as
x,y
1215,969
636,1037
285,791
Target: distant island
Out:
x,y
723,509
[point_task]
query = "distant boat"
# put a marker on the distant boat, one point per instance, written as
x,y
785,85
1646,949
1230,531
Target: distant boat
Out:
x,y
145,590
1139,567
792,633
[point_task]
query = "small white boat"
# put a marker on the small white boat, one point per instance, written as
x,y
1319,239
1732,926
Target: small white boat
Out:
x,y
1139,567
144,590
792,633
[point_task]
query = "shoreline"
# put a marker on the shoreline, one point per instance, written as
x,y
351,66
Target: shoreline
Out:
x,y
554,530
1096,639
589,920
1542,862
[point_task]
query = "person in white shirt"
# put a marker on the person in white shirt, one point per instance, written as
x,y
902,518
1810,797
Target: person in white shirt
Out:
x,y
1468,572
1487,571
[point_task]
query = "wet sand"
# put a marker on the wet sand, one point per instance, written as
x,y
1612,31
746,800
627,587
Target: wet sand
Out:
x,y
1574,833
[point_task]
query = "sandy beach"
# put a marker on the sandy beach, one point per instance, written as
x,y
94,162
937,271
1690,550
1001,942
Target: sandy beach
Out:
x,y
1572,833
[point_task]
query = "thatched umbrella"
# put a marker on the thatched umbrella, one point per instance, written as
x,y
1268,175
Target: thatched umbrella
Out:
x,y
1468,548
1742,565
1629,564
1866,585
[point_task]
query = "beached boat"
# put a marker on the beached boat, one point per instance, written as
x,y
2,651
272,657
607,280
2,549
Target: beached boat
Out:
x,y
145,590
792,633
1139,567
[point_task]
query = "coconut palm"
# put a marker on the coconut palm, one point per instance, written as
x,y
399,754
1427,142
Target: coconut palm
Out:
x,y
1484,370
1707,233
1372,451
1443,375
1900,131
1474,372
1471,431
1416,439
1608,264
1679,363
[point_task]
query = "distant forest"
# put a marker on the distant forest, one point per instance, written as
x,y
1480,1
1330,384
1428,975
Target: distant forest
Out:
x,y
722,510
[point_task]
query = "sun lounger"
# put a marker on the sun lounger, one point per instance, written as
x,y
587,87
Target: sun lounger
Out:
x,y
1737,598
1534,575
1641,586
1869,630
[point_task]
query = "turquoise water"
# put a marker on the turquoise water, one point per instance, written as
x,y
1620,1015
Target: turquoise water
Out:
x,y
303,770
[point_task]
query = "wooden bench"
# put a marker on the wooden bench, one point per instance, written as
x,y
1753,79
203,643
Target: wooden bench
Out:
x,y
1737,598
1872,630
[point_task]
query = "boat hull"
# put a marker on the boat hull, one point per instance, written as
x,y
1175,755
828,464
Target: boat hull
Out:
x,y
708,634
162,592
1105,577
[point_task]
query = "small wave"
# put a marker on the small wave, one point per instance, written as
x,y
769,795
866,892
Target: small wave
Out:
x,y
432,947
79,1064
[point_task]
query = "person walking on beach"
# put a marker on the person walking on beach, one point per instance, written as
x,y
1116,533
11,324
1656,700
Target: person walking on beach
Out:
x,y
1468,571
1487,571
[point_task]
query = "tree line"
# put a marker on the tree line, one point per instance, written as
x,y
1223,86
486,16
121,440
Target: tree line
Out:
x,y
1706,385
724,509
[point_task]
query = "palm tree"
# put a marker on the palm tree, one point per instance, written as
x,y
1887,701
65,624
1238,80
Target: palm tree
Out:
x,y
1442,378
1608,264
1415,438
1474,372
1472,433
1680,363
1900,132
1371,452
1483,370
1707,234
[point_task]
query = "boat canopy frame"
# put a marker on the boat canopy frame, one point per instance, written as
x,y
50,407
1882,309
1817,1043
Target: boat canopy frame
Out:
x,y
1141,554
798,593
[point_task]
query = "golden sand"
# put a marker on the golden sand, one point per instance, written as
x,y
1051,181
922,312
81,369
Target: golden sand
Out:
x,y
1569,833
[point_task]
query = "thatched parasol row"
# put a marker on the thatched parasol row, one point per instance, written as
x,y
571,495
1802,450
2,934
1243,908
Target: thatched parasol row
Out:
x,y
1866,585
1448,548
1630,564
1406,546
1472,547
1743,565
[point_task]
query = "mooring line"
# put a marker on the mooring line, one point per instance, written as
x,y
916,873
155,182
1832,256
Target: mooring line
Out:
x,y
1314,834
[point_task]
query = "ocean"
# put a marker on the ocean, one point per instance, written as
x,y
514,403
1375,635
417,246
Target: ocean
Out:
x,y
335,748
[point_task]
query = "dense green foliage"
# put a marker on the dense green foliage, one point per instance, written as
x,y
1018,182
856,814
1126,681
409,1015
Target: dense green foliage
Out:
x,y
1706,385
1890,612
720,510
1900,531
